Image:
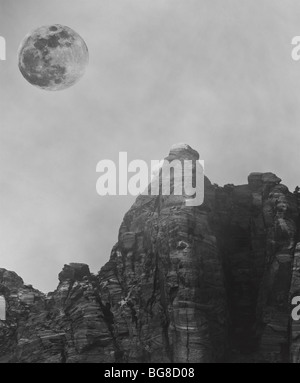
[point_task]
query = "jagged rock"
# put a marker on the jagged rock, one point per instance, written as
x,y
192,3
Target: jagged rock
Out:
x,y
183,284
10,279
182,151
257,180
128,240
74,271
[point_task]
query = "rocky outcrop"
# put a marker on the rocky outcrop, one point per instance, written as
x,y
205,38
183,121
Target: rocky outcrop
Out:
x,y
209,283
22,303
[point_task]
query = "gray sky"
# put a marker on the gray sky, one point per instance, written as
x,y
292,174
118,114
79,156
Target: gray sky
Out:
x,y
216,74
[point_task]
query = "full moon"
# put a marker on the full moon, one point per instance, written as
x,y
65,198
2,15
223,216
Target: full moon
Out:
x,y
53,57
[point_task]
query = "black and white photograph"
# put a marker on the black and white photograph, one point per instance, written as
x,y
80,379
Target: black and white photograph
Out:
x,y
149,184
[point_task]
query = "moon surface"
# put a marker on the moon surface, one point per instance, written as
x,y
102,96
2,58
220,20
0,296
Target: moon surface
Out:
x,y
53,57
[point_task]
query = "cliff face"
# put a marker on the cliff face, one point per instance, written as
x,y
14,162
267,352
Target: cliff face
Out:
x,y
183,284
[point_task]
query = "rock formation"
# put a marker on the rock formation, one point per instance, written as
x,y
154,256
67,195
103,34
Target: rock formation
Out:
x,y
211,283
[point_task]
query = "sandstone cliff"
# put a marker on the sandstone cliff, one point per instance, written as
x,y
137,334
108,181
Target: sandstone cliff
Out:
x,y
210,283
